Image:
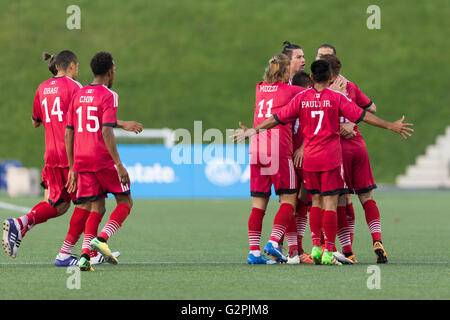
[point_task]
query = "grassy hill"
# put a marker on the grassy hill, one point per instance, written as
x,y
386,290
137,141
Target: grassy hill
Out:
x,y
180,61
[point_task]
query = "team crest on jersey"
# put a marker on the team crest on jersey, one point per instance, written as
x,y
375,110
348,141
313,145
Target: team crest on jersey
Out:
x,y
53,82
89,90
317,96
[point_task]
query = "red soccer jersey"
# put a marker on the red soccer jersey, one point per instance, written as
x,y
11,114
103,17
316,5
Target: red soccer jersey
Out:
x,y
50,107
92,108
358,97
271,98
319,113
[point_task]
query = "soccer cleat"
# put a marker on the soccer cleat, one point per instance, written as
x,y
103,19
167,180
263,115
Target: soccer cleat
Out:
x,y
329,259
342,258
316,254
380,252
85,265
97,258
305,258
11,237
103,248
252,259
351,256
67,262
276,253
293,260
284,251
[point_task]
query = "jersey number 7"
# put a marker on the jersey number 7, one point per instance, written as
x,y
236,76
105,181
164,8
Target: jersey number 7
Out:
x,y
313,115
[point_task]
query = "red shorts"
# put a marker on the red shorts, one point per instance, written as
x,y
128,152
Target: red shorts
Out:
x,y
327,183
54,180
357,172
92,186
280,173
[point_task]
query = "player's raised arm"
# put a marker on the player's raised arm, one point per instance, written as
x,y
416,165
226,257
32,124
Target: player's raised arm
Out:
x,y
398,126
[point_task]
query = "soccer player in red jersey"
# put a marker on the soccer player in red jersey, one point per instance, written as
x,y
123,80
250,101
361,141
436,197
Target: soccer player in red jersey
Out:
x,y
357,172
319,110
95,165
271,163
303,80
296,58
50,109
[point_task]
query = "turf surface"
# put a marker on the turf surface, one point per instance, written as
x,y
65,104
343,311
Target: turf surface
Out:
x,y
197,249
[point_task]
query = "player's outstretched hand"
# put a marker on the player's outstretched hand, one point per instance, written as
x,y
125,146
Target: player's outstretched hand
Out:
x,y
340,84
243,133
71,184
123,174
346,130
132,126
401,128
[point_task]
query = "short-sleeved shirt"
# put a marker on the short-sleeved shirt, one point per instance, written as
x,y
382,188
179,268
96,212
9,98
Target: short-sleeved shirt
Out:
x,y
50,107
92,108
319,119
271,98
361,100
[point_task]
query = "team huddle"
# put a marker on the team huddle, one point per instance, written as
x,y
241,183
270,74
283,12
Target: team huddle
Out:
x,y
306,143
82,164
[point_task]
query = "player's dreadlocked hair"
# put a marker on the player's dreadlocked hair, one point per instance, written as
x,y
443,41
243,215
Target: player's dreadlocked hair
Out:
x,y
320,70
278,69
51,63
288,48
64,59
101,63
335,63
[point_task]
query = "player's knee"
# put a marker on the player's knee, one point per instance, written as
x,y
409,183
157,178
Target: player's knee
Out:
x,y
363,197
62,208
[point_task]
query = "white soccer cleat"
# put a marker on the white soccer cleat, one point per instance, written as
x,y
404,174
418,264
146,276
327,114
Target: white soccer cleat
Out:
x,y
98,259
293,260
341,258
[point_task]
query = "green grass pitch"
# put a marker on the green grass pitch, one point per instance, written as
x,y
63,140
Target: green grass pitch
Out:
x,y
197,249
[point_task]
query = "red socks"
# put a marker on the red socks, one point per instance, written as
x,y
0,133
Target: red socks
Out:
x,y
90,230
115,221
39,214
315,223
301,219
330,229
281,221
76,227
254,228
291,237
373,219
351,219
343,231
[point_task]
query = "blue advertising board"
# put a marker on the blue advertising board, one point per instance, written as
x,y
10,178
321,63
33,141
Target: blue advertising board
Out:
x,y
189,171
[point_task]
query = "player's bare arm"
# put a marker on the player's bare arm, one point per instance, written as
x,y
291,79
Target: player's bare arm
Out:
x,y
35,123
372,108
71,184
398,126
132,126
110,142
298,156
245,132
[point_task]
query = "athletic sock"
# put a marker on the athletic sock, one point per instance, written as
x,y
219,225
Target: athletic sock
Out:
x,y
330,229
291,237
90,231
281,221
255,222
301,220
115,221
373,219
343,231
315,223
39,214
350,211
76,227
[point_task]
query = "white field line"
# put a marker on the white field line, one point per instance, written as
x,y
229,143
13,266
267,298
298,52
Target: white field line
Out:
x,y
13,207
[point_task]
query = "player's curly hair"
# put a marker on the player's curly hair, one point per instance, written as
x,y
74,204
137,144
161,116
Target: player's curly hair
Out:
x,y
101,63
51,63
289,47
320,70
278,69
